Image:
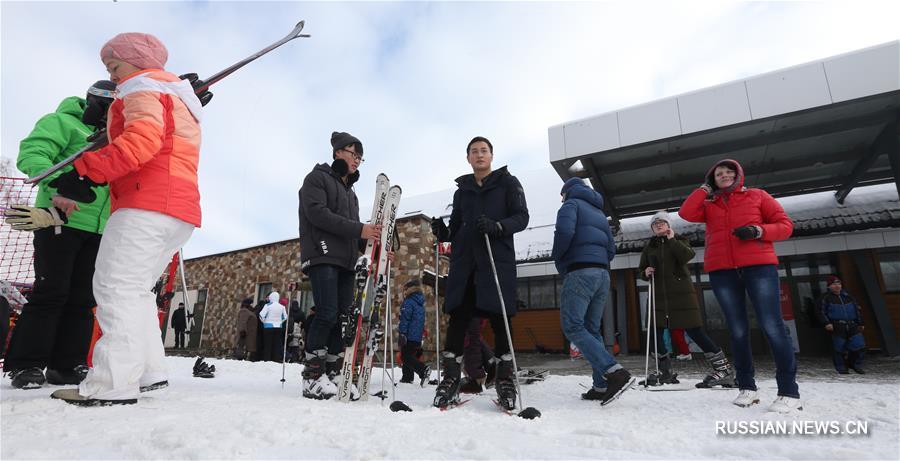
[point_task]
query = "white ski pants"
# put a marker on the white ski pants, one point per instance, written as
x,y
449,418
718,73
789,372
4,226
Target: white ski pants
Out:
x,y
135,248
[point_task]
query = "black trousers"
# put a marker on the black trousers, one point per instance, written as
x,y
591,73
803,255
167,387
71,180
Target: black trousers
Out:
x,y
179,339
461,317
273,344
411,363
55,327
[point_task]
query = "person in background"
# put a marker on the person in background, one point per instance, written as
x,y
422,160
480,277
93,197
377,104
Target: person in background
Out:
x,y
54,329
412,324
665,258
842,317
273,316
741,225
179,324
247,321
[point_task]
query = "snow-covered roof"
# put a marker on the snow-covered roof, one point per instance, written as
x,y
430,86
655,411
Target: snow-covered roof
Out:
x,y
813,214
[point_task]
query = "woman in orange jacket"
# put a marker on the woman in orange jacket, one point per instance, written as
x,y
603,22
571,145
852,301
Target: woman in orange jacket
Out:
x,y
151,167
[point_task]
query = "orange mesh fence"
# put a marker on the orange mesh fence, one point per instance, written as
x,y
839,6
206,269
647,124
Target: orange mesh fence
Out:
x,y
16,250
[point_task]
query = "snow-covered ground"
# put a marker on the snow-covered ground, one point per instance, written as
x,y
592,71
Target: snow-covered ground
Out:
x,y
244,412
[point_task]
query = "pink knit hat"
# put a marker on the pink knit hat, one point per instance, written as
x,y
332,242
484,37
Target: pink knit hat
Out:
x,y
140,50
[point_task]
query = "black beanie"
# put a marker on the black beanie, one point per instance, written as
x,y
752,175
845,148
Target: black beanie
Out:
x,y
340,140
412,283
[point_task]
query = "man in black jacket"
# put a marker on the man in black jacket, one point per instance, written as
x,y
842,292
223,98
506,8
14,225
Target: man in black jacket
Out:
x,y
330,239
179,324
493,203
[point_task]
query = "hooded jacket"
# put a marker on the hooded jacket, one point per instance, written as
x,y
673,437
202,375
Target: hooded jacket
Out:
x,y
329,219
273,313
582,232
154,150
724,211
54,137
412,315
674,294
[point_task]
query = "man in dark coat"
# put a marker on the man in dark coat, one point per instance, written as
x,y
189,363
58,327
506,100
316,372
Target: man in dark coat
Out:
x,y
842,317
331,237
179,324
493,203
665,258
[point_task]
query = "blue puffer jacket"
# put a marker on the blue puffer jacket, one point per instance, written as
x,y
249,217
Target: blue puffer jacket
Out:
x,y
412,316
582,232
834,307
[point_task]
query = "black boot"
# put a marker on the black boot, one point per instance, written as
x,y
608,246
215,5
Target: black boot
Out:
x,y
665,375
28,378
617,382
447,393
722,374
855,359
71,376
505,383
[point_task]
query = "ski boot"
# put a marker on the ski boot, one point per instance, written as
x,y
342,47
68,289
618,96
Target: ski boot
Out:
x,y
27,378
505,383
665,375
447,393
722,374
316,384
69,376
491,373
617,382
333,366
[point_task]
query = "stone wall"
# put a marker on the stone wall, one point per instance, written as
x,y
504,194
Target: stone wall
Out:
x,y
231,277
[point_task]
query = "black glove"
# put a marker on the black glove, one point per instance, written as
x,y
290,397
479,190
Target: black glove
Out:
x,y
195,82
75,187
489,226
402,341
439,229
747,232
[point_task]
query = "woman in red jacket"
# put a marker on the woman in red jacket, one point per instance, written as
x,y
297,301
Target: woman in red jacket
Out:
x,y
741,225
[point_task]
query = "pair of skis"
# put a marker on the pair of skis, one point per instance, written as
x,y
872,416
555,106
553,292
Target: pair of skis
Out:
x,y
372,274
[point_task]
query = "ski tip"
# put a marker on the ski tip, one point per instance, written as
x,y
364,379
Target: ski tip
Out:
x,y
530,413
397,405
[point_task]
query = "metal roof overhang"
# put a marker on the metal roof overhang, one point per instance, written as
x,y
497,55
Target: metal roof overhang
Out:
x,y
827,125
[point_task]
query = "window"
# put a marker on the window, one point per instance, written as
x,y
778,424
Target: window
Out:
x,y
263,290
539,292
889,260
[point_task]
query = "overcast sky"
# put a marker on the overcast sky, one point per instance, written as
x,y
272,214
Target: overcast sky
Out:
x,y
414,81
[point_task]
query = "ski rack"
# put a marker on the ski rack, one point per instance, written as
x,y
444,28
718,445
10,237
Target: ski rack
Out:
x,y
100,138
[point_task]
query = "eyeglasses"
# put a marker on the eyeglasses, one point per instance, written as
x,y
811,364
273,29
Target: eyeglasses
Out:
x,y
355,155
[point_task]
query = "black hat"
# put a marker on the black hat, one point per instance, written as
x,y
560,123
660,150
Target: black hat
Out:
x,y
247,302
340,140
103,89
412,283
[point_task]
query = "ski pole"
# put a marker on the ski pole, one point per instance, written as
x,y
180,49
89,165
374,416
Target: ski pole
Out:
x,y
437,310
286,325
390,325
184,294
512,351
649,317
655,337
200,86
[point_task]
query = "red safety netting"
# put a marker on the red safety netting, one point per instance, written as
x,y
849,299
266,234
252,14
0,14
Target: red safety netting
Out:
x,y
16,250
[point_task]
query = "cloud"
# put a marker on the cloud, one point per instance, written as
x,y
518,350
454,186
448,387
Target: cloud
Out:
x,y
414,81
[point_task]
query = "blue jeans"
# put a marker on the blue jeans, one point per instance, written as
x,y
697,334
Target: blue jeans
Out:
x,y
332,288
761,284
582,301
